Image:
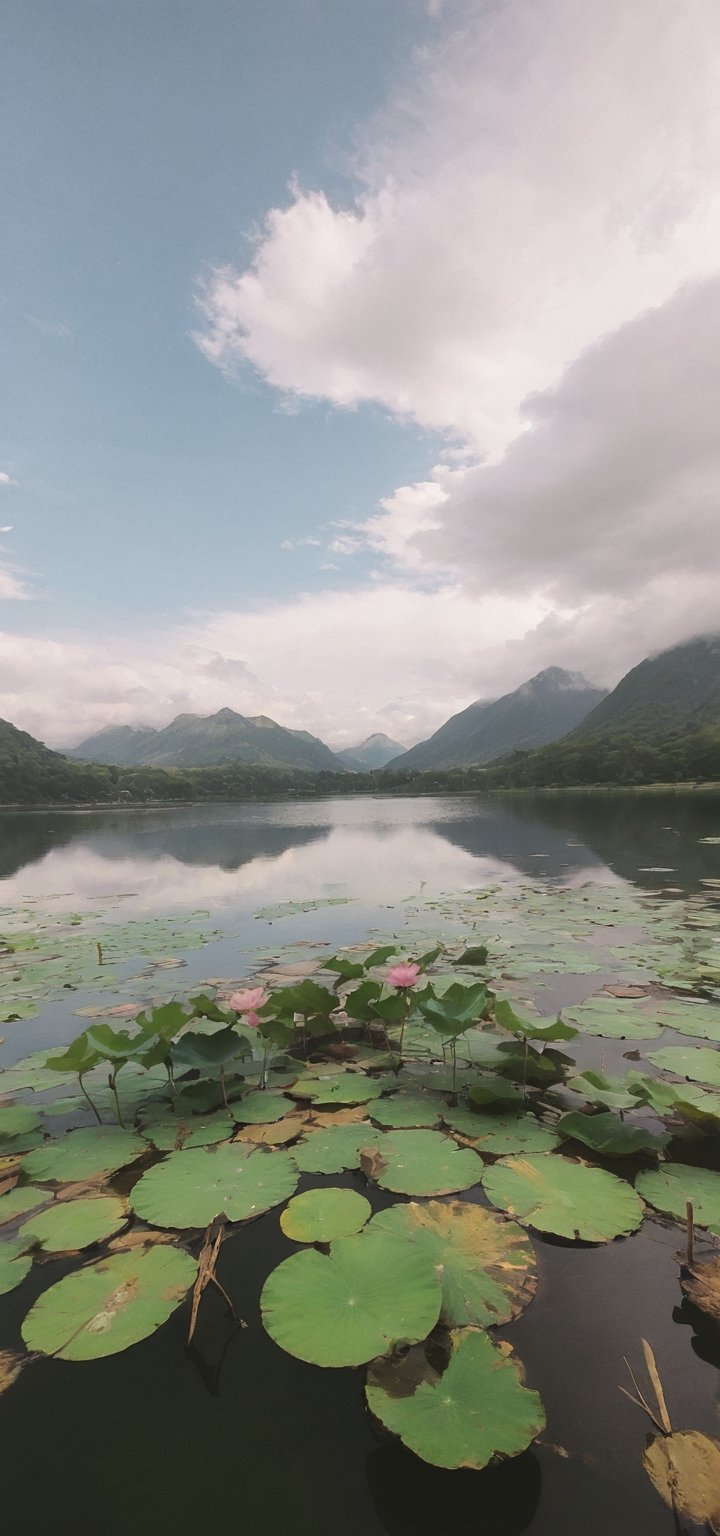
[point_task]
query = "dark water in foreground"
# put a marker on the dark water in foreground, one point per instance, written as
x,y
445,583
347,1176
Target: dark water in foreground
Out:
x,y
238,1435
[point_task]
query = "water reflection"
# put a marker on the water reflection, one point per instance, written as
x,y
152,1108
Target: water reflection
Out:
x,y
377,849
412,1498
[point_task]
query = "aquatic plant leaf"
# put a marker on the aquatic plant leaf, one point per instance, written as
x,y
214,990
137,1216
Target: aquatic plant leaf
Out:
x,y
15,1264
682,1099
18,1201
607,1134
499,1134
206,1052
319,1215
105,1307
597,1088
613,1020
494,1090
696,1062
478,1408
570,1200
669,1188
85,1154
425,1163
277,1135
334,1148
685,1469
695,1019
172,1133
344,969
461,1005
68,1225
17,1120
32,1073
189,1189
369,1293
701,1284
342,1089
542,1029
477,954
485,1264
261,1107
407,1111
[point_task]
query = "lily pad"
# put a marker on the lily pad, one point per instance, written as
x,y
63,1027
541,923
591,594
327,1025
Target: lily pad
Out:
x,y
172,1133
685,1469
69,1225
500,1134
613,1020
570,1200
334,1148
89,1153
105,1307
368,1294
607,1134
477,1409
261,1107
343,1088
14,1264
696,1062
17,1120
597,1088
407,1111
485,1264
669,1188
318,1215
425,1163
701,1284
17,1202
189,1189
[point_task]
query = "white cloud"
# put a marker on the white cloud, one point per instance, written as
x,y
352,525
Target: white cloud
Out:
x,y
6,479
545,173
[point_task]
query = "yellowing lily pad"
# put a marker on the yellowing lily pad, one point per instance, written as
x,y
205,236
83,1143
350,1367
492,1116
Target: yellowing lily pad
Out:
x,y
685,1469
105,1307
485,1264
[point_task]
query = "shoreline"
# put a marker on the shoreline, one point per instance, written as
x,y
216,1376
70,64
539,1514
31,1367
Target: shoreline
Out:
x,y
406,792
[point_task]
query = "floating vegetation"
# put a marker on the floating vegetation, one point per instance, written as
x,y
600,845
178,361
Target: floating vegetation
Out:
x,y
419,1069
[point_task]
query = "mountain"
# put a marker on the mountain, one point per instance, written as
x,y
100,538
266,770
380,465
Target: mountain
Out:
x,y
198,741
541,710
374,752
678,687
30,773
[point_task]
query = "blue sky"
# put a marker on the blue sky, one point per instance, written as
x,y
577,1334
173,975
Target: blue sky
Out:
x,y
457,264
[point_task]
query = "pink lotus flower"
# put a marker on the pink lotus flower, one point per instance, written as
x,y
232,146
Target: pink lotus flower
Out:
x,y
252,1019
249,1000
403,975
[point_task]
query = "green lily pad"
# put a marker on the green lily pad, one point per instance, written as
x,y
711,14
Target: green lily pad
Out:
x,y
261,1107
568,1199
173,1133
17,1120
615,1019
596,1088
105,1307
334,1148
668,1189
84,1154
698,1020
493,1090
485,1264
368,1294
607,1134
14,1264
500,1134
407,1111
344,1089
477,1409
318,1215
68,1225
424,1163
31,1073
189,1189
696,1062
25,1197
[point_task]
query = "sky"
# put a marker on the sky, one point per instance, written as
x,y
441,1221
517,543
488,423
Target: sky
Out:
x,y
357,361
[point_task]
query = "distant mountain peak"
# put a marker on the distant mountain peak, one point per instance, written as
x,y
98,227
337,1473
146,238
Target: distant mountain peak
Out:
x,y
375,751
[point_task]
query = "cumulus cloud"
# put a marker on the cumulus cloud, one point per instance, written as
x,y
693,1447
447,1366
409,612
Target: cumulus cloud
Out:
x,y
6,479
543,174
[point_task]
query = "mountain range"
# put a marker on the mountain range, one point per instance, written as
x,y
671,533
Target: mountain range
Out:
x,y
541,710
198,741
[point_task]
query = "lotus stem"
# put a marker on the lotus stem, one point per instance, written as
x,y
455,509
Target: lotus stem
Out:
x,y
690,1234
86,1095
224,1089
113,1086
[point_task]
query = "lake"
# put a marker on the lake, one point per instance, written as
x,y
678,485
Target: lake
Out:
x,y
237,1433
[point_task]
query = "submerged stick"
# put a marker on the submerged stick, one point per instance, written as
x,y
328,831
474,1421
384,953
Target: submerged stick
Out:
x,y
690,1234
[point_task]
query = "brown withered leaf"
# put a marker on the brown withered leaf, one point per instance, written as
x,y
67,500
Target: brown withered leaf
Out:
x,y
685,1469
372,1163
701,1284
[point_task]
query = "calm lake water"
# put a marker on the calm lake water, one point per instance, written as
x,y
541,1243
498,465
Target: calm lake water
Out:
x,y
238,1435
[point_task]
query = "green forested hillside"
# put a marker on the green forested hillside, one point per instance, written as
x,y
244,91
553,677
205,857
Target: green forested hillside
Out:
x,y
679,687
